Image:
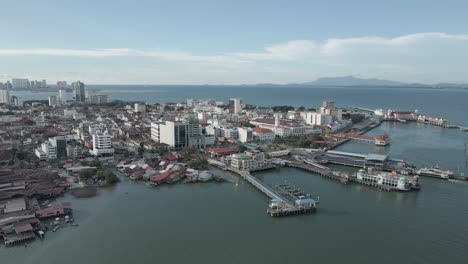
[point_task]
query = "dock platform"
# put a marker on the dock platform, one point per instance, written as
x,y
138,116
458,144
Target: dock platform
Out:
x,y
280,205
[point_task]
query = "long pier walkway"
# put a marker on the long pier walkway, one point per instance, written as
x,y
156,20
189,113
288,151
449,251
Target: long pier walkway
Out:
x,y
320,169
260,185
252,180
280,206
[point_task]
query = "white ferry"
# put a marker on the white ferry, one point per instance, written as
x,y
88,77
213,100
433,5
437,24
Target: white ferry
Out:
x,y
391,180
382,140
435,172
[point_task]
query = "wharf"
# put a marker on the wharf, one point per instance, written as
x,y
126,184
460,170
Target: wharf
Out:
x,y
433,123
282,206
382,162
320,169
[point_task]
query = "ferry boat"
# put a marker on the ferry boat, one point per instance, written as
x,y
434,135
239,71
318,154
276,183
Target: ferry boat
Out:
x,y
392,181
435,173
382,140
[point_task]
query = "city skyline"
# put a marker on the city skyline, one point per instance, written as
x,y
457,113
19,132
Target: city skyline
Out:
x,y
225,43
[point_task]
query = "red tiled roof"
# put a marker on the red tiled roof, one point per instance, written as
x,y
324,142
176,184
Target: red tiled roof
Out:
x,y
262,130
221,150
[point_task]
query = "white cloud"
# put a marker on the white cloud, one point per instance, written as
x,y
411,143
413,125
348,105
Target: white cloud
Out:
x,y
291,50
428,57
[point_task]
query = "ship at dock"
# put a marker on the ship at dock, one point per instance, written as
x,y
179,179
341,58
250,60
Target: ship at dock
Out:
x,y
435,173
387,180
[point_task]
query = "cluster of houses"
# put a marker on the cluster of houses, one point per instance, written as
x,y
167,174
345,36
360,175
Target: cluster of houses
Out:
x,y
22,206
158,171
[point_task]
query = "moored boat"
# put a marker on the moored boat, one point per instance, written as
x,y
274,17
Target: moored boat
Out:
x,y
388,181
435,173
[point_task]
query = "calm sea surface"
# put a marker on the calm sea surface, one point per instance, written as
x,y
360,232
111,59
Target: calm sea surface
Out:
x,y
227,222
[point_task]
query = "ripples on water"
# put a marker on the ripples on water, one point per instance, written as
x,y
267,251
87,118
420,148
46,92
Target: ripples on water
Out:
x,y
227,223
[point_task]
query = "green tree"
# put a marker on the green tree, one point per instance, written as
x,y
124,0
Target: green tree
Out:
x,y
162,151
242,148
357,118
198,163
87,174
126,153
20,155
282,108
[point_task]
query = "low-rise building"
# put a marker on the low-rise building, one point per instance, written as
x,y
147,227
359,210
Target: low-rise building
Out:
x,y
250,160
263,134
245,134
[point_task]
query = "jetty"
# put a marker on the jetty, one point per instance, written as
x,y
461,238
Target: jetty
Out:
x,y
382,162
314,167
279,206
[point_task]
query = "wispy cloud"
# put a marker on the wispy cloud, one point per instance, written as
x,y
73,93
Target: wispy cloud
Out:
x,y
291,50
415,57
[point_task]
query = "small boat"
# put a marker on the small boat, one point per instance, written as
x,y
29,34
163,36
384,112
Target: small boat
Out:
x,y
56,228
75,225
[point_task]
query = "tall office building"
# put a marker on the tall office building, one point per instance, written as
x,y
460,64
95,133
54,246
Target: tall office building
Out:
x,y
140,108
20,83
98,99
60,143
235,105
19,101
195,137
174,134
79,91
62,84
52,100
62,96
4,96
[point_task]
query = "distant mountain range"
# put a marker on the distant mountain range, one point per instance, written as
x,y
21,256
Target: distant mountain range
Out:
x,y
354,81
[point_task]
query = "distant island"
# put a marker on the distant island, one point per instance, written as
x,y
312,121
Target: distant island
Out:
x,y
355,81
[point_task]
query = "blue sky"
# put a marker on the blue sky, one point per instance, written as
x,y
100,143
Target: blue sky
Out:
x,y
233,42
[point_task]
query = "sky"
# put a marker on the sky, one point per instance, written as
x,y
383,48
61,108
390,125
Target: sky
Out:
x,y
233,42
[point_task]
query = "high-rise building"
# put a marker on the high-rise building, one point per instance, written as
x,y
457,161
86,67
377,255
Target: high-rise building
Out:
x,y
195,137
174,134
52,100
79,91
102,145
56,147
155,131
60,144
98,99
20,83
19,101
4,96
62,96
140,108
245,134
328,104
235,105
62,84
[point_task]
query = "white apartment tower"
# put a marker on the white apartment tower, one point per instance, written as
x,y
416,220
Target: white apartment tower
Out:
x,y
235,105
174,134
102,145
4,96
52,100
